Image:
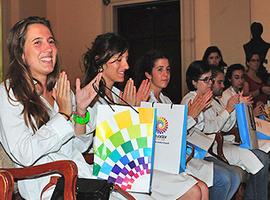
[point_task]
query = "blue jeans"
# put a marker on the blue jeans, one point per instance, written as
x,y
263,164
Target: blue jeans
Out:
x,y
257,184
226,180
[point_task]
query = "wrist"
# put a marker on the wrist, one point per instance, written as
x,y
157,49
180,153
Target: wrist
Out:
x,y
81,112
79,119
66,116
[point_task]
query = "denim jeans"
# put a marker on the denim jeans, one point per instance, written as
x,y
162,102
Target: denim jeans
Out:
x,y
226,180
257,184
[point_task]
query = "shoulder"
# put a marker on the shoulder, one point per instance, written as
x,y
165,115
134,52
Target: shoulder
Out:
x,y
165,99
189,96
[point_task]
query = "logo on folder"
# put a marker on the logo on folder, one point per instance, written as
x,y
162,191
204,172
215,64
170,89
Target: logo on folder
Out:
x,y
162,127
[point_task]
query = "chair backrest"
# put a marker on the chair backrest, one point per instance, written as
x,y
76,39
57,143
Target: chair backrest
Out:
x,y
6,185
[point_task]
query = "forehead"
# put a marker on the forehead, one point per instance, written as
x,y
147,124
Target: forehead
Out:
x,y
37,30
237,72
208,74
255,56
117,55
164,62
214,54
219,77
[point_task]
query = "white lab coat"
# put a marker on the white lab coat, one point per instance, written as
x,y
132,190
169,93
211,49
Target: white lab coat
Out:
x,y
54,141
164,185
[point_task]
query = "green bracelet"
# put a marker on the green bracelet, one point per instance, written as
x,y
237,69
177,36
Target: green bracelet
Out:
x,y
81,120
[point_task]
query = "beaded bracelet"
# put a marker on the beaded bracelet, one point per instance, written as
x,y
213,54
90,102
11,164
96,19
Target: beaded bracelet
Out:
x,y
81,120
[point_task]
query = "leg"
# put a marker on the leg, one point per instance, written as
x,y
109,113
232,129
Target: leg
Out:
x,y
204,190
226,180
257,184
192,193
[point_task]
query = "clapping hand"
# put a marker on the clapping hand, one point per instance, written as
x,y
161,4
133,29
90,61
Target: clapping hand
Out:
x,y
62,95
199,103
85,95
143,92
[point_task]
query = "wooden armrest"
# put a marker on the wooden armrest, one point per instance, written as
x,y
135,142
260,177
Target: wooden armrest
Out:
x,y
6,185
124,193
66,168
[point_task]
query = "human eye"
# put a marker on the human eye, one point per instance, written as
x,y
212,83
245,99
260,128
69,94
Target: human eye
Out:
x,y
160,69
37,42
52,41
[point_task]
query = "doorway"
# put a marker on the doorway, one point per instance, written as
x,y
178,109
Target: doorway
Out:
x,y
153,25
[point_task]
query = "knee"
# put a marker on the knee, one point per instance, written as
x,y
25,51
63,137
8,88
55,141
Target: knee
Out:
x,y
196,192
223,180
203,187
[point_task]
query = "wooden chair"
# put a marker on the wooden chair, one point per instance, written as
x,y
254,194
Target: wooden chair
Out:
x,y
6,185
66,168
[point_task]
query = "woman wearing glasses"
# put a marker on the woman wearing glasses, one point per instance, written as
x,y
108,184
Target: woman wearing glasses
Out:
x,y
199,82
256,79
155,66
109,54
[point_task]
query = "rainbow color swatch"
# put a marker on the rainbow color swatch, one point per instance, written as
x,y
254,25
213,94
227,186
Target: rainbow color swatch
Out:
x,y
123,147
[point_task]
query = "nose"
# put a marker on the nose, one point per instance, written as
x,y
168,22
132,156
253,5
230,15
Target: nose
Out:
x,y
222,85
47,47
124,64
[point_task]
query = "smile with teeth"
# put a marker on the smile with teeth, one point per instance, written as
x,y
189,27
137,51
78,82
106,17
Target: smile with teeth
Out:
x,y
46,59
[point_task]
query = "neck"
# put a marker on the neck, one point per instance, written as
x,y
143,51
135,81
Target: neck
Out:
x,y
156,91
109,84
251,72
236,89
42,86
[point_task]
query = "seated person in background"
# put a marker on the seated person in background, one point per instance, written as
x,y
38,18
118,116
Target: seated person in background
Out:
x,y
256,83
235,83
35,125
221,116
109,53
155,66
199,82
213,57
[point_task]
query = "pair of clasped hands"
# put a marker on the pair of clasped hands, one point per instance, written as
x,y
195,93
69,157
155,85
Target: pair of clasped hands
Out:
x,y
84,96
202,102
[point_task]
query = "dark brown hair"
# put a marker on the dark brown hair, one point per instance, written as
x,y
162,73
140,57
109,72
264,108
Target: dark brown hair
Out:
x,y
19,78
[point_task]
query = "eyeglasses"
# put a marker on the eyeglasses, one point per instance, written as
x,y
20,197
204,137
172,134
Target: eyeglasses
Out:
x,y
206,79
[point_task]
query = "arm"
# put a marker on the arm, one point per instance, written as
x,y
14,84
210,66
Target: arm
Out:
x,y
84,96
21,143
218,118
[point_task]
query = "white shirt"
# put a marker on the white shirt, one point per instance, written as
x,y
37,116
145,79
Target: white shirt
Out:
x,y
162,97
53,141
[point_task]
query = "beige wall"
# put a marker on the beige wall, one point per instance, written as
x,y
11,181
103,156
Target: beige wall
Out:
x,y
224,23
75,24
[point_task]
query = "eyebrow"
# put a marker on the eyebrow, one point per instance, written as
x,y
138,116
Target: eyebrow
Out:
x,y
38,38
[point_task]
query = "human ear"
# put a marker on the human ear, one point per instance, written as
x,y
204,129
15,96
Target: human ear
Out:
x,y
148,75
23,57
194,83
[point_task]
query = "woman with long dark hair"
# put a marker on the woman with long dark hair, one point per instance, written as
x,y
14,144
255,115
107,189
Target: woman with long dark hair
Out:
x,y
109,54
36,106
